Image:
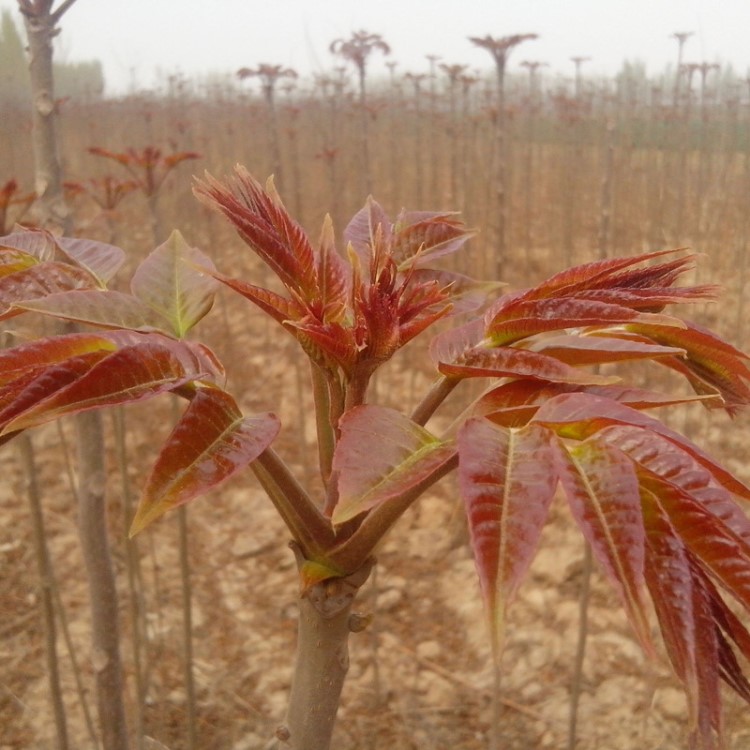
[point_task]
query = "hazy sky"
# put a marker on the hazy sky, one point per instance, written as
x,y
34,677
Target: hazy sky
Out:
x,y
133,38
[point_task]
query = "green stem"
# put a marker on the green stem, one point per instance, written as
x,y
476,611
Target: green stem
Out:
x,y
323,422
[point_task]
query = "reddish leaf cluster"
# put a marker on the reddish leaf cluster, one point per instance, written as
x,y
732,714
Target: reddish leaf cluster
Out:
x,y
107,192
148,167
140,354
349,317
660,515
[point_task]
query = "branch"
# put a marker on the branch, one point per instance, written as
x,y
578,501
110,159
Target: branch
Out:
x,y
439,391
307,524
61,10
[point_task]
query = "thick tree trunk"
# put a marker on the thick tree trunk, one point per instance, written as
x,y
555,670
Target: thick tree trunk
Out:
x,y
92,529
322,662
50,207
52,212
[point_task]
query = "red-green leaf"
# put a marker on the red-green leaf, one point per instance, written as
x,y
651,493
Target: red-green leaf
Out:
x,y
600,349
99,258
579,415
381,454
13,260
729,627
711,365
31,389
532,317
19,360
511,362
105,309
170,282
211,442
39,281
514,403
602,490
507,480
37,242
452,345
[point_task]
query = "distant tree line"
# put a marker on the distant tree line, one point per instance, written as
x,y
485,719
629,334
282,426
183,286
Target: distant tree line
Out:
x,y
76,79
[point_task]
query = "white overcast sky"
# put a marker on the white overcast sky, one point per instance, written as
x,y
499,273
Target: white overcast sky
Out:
x,y
134,38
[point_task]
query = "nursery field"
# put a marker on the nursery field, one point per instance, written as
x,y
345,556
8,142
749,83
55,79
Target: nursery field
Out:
x,y
618,168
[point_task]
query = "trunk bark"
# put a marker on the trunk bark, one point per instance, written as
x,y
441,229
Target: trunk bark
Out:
x,y
92,529
322,662
51,209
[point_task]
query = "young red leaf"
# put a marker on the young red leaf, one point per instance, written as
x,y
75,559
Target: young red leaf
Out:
x,y
650,300
266,226
361,231
35,355
507,480
602,274
672,463
326,344
684,614
421,238
124,376
601,486
721,552
170,282
381,454
334,277
279,308
211,442
465,294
